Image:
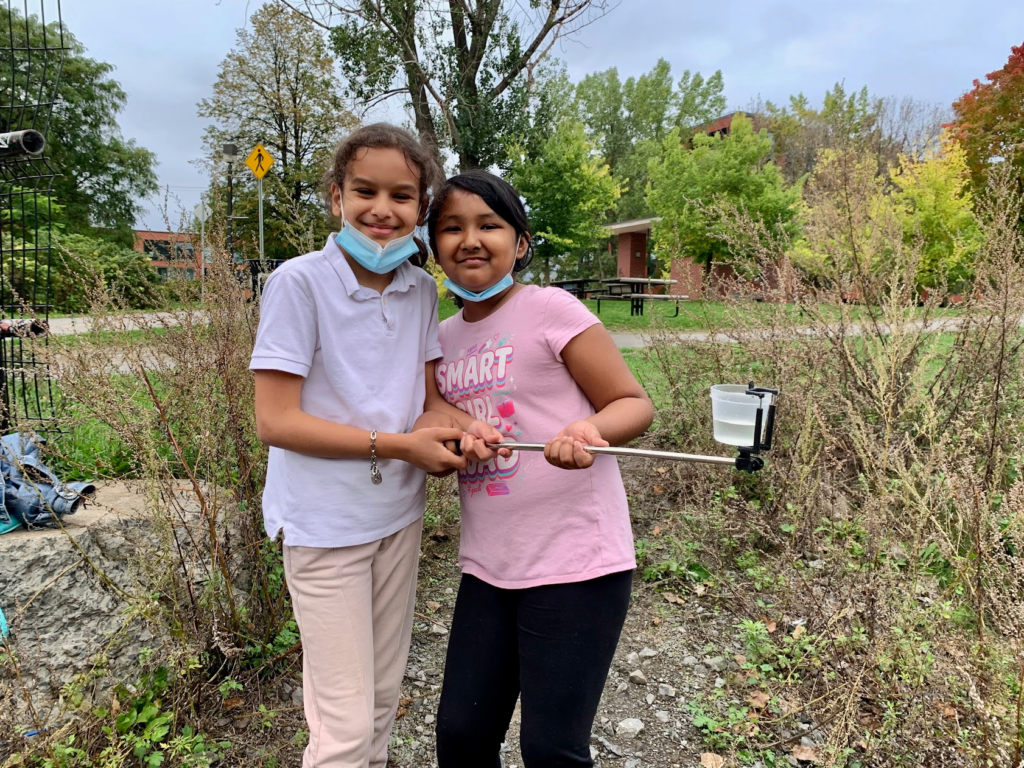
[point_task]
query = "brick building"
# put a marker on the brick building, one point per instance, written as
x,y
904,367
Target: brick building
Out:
x,y
634,236
171,253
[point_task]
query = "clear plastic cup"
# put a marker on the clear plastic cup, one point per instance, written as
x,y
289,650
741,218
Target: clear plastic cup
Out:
x,y
733,413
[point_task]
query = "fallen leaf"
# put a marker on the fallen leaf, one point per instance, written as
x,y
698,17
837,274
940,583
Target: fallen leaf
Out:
x,y
798,632
771,626
661,470
758,699
656,620
805,753
711,760
699,589
672,597
947,711
115,706
403,706
432,605
658,489
740,659
656,531
233,703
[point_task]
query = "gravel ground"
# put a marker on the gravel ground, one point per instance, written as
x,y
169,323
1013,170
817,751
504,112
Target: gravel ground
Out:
x,y
665,643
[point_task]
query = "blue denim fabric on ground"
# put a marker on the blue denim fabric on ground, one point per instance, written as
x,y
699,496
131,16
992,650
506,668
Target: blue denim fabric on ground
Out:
x,y
32,495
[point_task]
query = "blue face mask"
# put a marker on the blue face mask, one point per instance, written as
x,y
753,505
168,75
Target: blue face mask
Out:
x,y
487,293
369,254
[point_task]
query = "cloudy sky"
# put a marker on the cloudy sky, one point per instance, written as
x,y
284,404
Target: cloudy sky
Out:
x,y
166,55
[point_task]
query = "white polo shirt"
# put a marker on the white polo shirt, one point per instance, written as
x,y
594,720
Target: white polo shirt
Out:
x,y
362,354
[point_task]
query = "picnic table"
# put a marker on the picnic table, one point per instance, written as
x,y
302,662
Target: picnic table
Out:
x,y
632,289
578,287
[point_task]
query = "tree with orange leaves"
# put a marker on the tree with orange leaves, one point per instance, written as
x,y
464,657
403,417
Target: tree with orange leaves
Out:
x,y
990,119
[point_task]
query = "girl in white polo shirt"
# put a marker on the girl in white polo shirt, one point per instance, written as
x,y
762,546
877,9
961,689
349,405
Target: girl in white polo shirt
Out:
x,y
344,363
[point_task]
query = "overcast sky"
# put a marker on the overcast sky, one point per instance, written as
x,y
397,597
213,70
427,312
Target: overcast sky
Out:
x,y
166,54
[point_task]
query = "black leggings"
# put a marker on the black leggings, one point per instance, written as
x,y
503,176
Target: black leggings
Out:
x,y
554,644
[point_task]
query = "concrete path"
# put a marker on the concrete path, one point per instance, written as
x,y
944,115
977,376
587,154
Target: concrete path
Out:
x,y
624,339
63,326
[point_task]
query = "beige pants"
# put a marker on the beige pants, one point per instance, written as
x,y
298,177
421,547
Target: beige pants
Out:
x,y
354,609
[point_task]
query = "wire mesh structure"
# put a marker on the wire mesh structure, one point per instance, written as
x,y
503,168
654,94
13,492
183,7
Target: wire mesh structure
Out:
x,y
31,62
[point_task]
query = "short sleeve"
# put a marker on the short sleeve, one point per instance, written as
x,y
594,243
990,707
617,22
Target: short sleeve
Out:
x,y
565,318
287,335
431,339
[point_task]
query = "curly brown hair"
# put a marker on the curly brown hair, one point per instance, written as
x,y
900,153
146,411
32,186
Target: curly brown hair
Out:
x,y
384,136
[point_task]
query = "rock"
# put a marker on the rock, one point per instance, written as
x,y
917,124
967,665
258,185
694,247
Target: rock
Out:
x,y
437,629
429,719
593,752
449,591
638,677
71,614
719,682
621,688
632,763
650,699
717,663
666,691
662,716
701,670
648,653
689,661
615,749
629,728
816,564
297,696
633,660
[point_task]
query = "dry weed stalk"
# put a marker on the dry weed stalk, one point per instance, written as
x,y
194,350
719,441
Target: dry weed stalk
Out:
x,y
896,471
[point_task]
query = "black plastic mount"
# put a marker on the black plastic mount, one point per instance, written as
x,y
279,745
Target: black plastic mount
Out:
x,y
748,460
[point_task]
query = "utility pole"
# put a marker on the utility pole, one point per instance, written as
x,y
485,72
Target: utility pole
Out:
x,y
230,152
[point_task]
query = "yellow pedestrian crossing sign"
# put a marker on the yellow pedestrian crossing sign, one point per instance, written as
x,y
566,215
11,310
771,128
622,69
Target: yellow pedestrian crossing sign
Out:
x,y
259,161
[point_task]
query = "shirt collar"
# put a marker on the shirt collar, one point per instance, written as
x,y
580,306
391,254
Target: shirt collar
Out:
x,y
404,278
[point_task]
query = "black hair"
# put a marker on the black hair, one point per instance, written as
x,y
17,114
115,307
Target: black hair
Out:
x,y
499,196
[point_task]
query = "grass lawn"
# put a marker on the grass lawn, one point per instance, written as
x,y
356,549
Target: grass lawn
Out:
x,y
693,315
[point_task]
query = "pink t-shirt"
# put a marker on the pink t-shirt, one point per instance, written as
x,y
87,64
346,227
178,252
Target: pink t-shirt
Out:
x,y
525,522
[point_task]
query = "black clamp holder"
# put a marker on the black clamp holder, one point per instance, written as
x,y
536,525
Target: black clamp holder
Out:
x,y
749,460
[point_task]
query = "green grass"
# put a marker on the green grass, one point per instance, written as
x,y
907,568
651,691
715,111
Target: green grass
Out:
x,y
696,315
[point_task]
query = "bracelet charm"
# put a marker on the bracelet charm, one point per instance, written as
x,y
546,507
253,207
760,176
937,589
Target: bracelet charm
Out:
x,y
375,476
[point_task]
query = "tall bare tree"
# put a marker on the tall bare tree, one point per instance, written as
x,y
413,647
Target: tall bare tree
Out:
x,y
465,66
278,86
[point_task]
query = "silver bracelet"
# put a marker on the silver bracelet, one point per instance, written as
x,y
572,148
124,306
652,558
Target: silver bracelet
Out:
x,y
375,476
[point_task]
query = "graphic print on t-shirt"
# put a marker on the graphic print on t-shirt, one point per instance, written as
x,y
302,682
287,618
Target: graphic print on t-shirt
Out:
x,y
478,381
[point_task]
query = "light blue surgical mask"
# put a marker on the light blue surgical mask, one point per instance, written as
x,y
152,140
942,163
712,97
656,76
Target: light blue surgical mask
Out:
x,y
487,293
369,254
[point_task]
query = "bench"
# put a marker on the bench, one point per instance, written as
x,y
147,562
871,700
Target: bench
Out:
x,y
636,301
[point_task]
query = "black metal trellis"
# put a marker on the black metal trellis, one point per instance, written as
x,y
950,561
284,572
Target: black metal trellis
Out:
x,y
31,62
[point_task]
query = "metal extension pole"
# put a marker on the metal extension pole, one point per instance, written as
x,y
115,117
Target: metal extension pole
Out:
x,y
635,452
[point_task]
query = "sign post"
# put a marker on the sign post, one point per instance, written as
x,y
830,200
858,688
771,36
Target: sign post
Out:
x,y
259,162
202,213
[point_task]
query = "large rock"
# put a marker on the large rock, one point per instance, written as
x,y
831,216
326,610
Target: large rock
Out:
x,y
64,594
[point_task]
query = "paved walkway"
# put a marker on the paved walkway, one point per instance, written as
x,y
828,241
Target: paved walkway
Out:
x,y
63,326
624,339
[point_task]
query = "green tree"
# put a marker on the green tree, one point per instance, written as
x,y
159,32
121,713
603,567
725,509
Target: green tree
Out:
x,y
628,121
932,193
730,172
81,264
847,120
567,188
464,67
277,87
103,175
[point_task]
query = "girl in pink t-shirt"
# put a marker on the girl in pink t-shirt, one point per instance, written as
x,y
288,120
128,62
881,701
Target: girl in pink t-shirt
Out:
x,y
546,554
